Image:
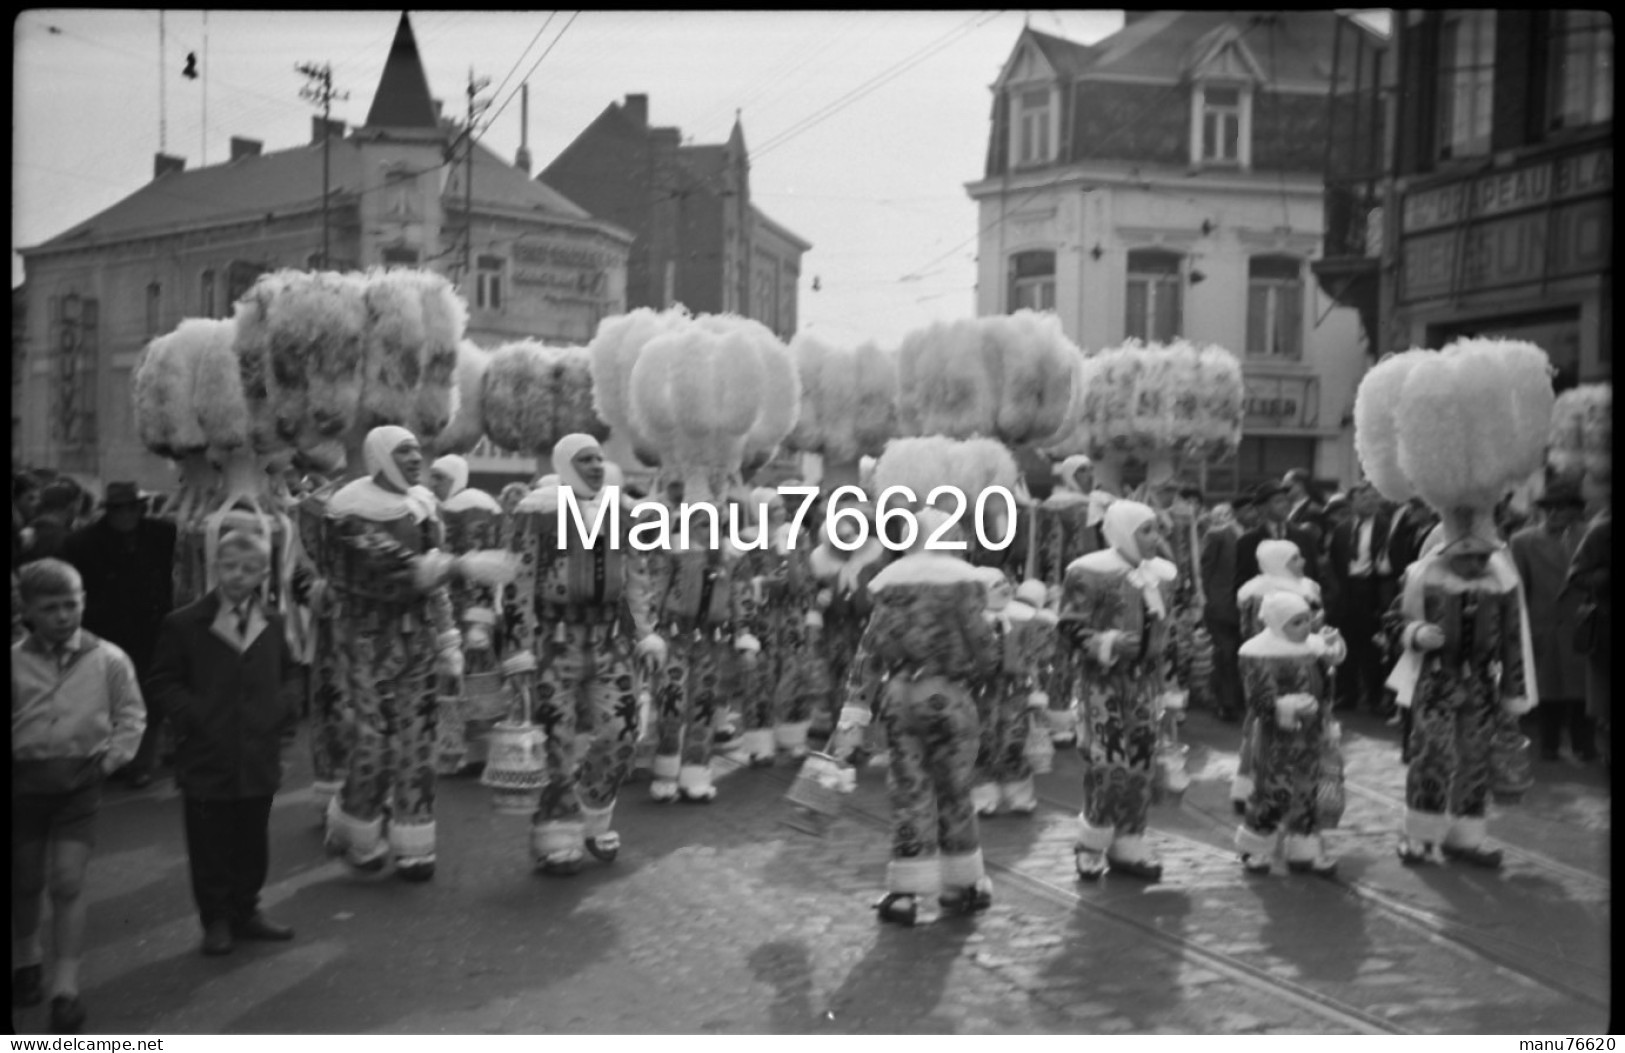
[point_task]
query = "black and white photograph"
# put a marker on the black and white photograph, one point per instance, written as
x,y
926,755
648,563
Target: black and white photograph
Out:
x,y
811,523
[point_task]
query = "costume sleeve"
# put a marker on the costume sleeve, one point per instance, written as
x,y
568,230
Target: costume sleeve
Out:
x,y
1089,611
1258,687
984,647
519,597
747,612
881,643
1250,624
128,712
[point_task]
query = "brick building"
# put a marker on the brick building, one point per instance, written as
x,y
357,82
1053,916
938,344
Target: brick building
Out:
x,y
699,240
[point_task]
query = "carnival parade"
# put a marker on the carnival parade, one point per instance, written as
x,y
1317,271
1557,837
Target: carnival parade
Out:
x,y
511,651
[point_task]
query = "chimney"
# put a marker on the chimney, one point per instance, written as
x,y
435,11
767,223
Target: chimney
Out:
x,y
333,128
241,147
637,108
165,163
438,104
521,160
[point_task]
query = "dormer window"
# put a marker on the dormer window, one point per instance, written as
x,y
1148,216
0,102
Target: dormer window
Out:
x,y
1222,130
1466,83
1034,126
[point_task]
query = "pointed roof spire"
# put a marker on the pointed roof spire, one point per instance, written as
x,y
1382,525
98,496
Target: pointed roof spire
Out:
x,y
402,100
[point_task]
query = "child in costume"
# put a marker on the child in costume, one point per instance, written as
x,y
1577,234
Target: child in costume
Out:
x,y
473,520
584,613
394,637
704,599
928,640
1280,569
1285,675
1114,615
1009,699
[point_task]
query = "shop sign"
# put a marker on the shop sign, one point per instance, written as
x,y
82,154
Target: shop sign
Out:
x,y
1512,190
1280,402
1573,239
560,269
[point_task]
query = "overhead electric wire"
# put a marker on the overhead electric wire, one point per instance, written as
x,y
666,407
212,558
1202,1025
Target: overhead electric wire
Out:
x,y
514,68
872,84
492,119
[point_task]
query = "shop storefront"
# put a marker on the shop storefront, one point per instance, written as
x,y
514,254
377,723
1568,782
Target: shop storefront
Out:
x,y
1524,252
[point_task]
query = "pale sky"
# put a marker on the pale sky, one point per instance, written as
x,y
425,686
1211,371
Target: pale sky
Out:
x,y
877,184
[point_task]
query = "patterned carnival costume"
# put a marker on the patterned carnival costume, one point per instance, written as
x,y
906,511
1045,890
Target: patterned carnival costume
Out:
x,y
705,603
1461,428
1068,529
473,521
928,640
1009,698
394,637
1286,680
571,606
1280,569
844,605
1114,612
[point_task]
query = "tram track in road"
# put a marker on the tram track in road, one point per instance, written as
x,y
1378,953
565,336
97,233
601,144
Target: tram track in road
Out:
x,y
1333,1011
1466,940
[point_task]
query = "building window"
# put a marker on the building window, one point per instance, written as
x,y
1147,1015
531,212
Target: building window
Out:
x,y
399,256
240,277
155,308
1032,281
1582,64
1153,295
1221,126
1275,307
206,301
488,282
1033,127
1466,83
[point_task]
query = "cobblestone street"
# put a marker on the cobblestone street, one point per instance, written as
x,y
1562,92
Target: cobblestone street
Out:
x,y
724,919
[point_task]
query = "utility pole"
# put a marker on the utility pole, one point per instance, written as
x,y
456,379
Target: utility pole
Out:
x,y
476,108
319,89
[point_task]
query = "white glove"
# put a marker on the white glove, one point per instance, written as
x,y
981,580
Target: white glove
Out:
x,y
845,739
478,638
814,620
1516,707
1038,700
825,598
1428,637
748,643
653,649
492,566
449,663
432,569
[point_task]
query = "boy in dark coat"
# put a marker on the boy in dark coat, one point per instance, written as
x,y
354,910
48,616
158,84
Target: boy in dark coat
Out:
x,y
219,668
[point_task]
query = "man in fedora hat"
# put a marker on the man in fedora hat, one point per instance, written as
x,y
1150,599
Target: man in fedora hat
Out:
x,y
127,560
1542,552
1274,503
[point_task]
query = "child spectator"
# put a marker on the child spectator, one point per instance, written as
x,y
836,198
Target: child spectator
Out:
x,y
218,671
76,716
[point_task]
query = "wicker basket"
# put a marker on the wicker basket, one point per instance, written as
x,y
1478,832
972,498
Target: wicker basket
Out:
x,y
516,768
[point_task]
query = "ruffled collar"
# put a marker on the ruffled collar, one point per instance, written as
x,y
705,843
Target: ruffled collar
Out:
x,y
1264,584
468,499
1270,644
827,564
925,568
364,497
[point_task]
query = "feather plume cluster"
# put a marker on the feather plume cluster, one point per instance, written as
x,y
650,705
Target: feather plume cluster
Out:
x,y
467,425
397,337
534,395
1005,376
614,351
1473,421
255,334
923,463
445,317
1582,432
943,384
164,388
1144,399
848,399
1376,436
780,404
217,391
1074,438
